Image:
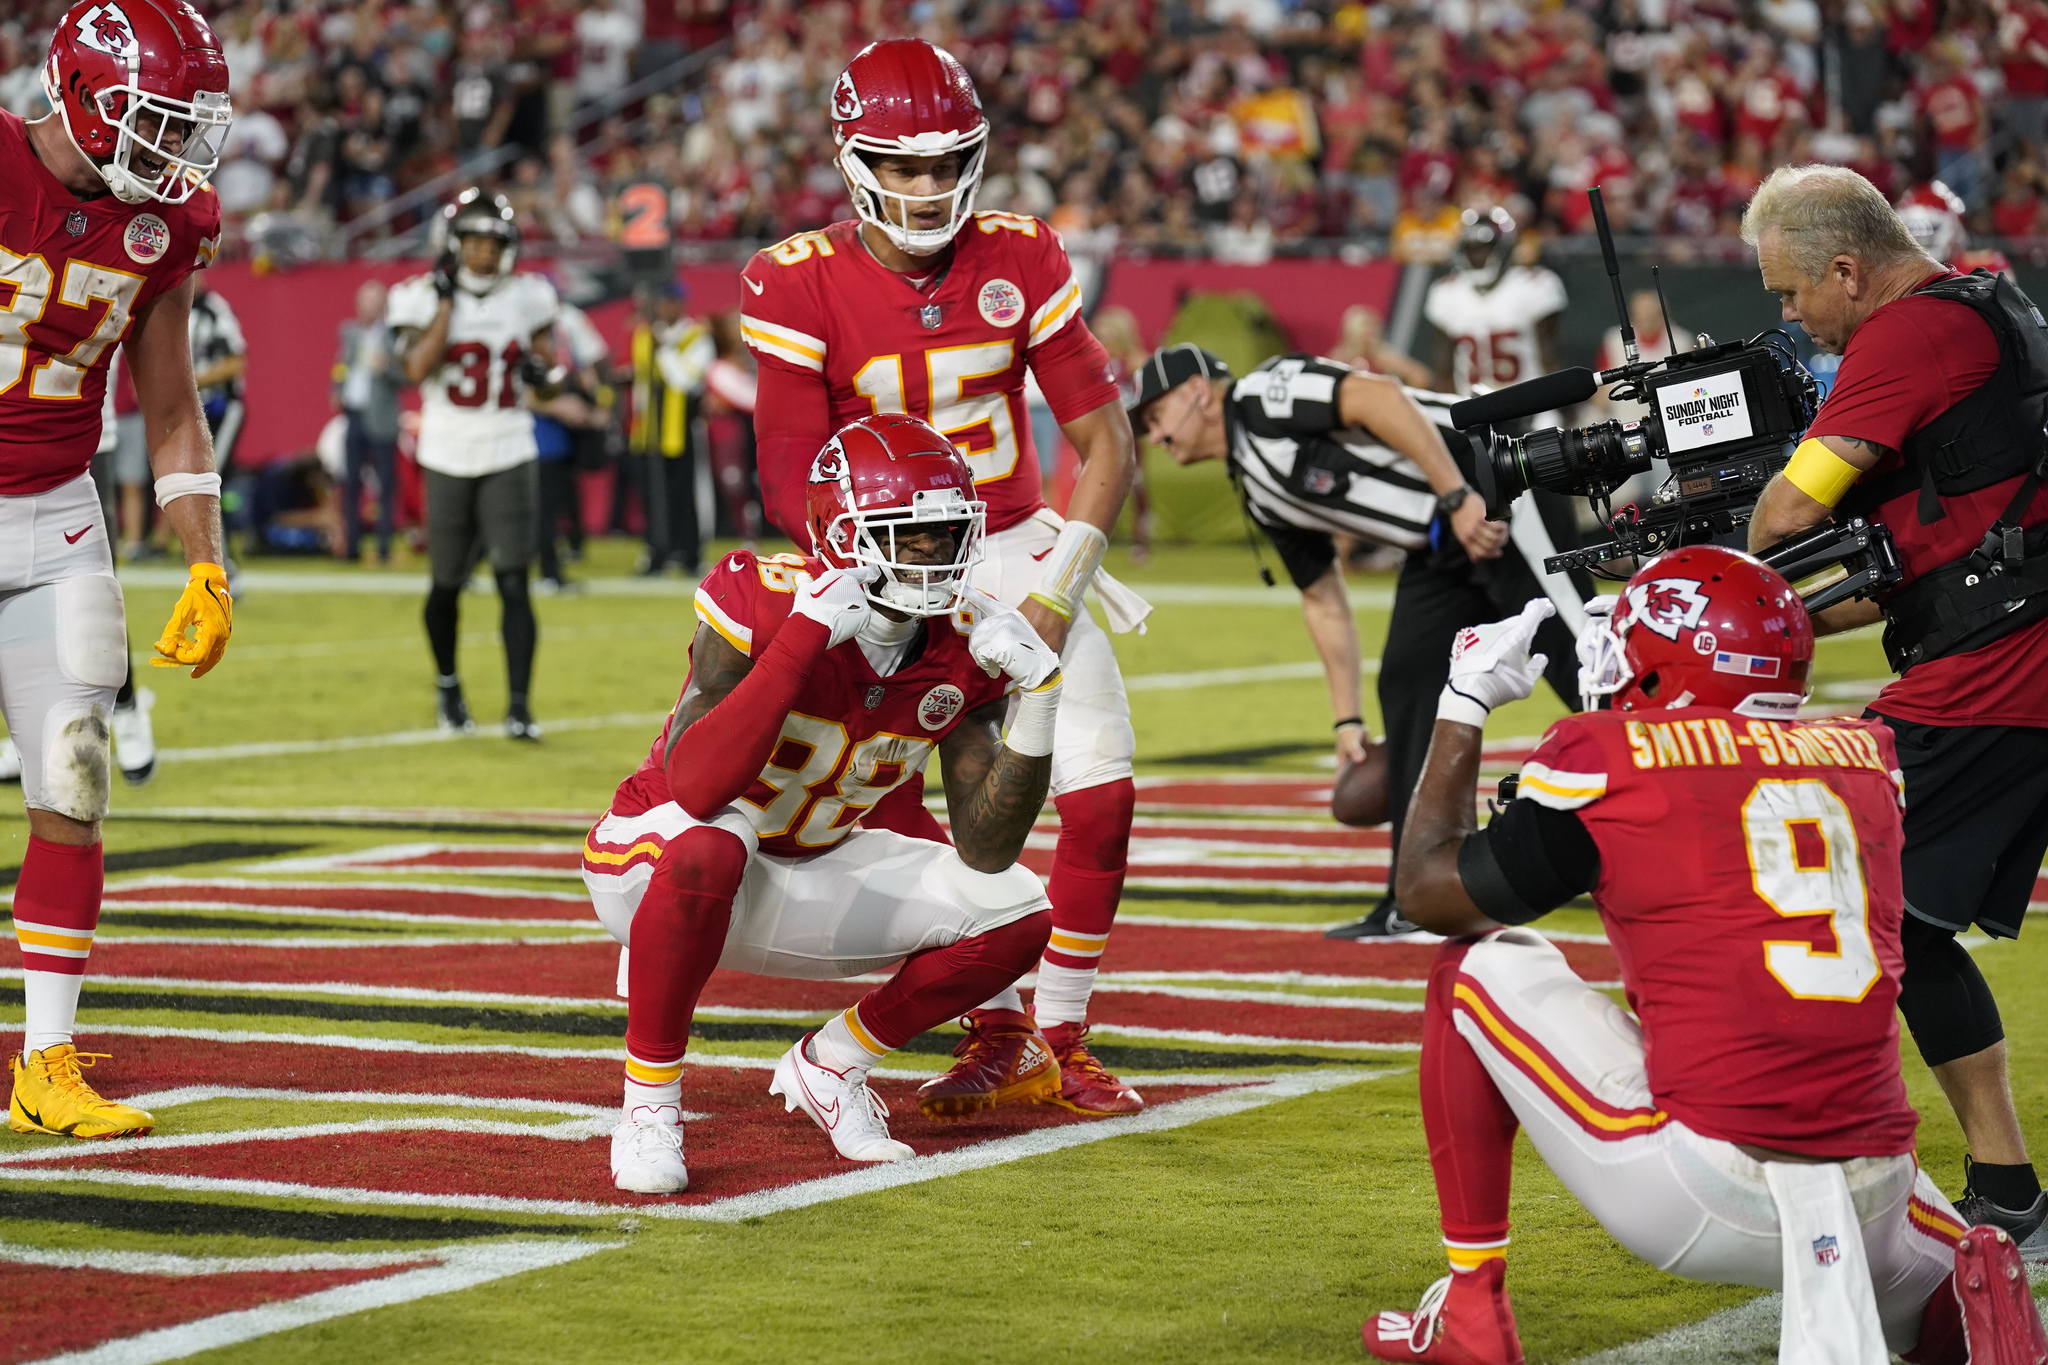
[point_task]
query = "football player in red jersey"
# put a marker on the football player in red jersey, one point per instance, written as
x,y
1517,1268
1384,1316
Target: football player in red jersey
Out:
x,y
923,305
104,219
1749,1124
817,686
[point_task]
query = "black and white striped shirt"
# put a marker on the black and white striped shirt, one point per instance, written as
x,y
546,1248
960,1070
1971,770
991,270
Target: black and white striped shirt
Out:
x,y
1305,476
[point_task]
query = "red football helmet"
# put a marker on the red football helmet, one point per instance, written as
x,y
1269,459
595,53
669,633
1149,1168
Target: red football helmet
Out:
x,y
889,474
1704,626
126,76
1933,214
904,97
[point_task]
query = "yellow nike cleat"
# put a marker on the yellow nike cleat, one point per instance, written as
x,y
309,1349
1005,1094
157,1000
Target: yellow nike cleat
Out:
x,y
51,1096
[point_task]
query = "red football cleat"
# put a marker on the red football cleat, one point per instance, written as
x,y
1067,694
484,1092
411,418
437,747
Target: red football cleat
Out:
x,y
1086,1085
1003,1059
1463,1320
1999,1318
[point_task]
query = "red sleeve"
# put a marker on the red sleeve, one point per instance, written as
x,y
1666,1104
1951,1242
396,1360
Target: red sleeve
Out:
x,y
722,755
792,419
1907,364
1074,372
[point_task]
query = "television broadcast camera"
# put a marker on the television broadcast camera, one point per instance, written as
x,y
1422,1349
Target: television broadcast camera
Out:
x,y
1723,417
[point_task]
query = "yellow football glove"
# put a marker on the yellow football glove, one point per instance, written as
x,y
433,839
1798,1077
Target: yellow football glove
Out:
x,y
208,609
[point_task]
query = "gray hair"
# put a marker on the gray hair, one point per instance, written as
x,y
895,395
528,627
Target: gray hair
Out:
x,y
1821,212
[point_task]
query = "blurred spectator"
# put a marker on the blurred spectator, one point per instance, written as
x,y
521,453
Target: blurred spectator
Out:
x,y
730,386
366,388
571,431
671,354
1362,345
606,32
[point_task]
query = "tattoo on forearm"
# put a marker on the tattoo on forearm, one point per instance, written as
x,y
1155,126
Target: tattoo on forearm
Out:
x,y
994,795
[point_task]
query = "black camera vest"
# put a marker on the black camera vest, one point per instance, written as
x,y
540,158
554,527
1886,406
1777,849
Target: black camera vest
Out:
x,y
1995,435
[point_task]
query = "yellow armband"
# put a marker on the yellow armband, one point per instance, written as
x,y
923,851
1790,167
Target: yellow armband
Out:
x,y
1820,473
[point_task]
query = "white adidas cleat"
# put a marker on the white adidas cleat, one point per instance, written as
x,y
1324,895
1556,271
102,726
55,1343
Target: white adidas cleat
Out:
x,y
135,738
10,761
647,1152
852,1115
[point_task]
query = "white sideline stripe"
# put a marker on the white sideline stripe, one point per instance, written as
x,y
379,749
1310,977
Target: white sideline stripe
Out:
x,y
1363,890
462,1267
1337,1002
569,1130
1317,927
200,1094
343,917
569,821
384,854
285,748
340,939
414,888
168,1263
1243,1039
1178,1114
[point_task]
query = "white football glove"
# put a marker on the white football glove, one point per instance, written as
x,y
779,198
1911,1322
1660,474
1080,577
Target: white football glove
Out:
x,y
1600,662
1003,642
838,601
1492,664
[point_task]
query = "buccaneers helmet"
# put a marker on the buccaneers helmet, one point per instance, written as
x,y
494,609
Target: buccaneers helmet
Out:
x,y
1704,626
142,88
884,476
476,214
1486,243
904,97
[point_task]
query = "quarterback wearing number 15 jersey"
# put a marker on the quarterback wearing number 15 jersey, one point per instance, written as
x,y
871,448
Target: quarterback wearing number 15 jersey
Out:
x,y
73,275
841,337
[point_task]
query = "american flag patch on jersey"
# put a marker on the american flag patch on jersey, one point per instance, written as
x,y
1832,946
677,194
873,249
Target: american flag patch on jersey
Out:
x,y
1747,665
1826,1251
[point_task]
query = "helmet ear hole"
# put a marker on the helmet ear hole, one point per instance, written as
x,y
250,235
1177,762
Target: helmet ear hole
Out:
x,y
1648,686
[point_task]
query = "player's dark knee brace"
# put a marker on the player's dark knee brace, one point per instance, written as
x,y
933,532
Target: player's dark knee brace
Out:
x,y
518,627
1947,1003
444,603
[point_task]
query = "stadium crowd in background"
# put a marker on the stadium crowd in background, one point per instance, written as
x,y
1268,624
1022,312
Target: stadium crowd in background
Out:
x,y
1235,127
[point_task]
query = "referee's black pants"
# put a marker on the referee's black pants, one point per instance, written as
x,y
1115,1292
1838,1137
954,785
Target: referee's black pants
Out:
x,y
1439,593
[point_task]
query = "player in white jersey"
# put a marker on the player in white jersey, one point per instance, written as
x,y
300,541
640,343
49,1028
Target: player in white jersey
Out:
x,y
1498,316
476,338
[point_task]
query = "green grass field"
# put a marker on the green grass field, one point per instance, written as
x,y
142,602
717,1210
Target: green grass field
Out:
x,y
1264,1233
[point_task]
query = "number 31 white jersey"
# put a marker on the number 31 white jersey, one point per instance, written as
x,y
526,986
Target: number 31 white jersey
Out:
x,y
473,418
1493,331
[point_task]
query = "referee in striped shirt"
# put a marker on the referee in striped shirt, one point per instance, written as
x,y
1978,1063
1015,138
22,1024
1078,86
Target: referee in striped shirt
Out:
x,y
1316,449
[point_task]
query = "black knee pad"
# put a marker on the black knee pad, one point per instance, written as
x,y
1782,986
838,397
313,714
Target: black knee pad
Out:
x,y
1947,1003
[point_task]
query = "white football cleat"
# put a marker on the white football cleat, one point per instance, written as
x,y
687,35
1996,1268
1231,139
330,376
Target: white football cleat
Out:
x,y
852,1115
135,739
647,1152
10,761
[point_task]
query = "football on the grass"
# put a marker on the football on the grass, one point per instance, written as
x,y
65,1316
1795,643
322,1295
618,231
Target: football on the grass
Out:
x,y
1359,795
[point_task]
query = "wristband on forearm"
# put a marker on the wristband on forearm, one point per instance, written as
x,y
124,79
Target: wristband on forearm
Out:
x,y
1453,705
173,486
1359,721
1031,728
1820,473
1069,567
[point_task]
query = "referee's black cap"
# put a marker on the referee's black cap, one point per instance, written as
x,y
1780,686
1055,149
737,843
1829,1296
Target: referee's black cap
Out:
x,y
1172,366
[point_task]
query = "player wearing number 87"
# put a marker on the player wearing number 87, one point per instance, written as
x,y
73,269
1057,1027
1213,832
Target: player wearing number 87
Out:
x,y
1749,1124
477,338
104,220
818,686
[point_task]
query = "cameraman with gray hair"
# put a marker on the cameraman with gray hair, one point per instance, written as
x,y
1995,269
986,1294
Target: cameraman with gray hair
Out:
x,y
1935,430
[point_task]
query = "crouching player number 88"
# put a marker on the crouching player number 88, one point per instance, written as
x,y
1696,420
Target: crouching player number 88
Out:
x,y
817,686
105,221
1748,1125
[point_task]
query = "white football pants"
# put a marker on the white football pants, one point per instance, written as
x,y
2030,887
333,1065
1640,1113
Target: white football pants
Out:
x,y
63,645
864,904
1092,739
1688,1204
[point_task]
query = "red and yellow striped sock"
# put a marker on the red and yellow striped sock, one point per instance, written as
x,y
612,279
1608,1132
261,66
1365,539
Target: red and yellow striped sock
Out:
x,y
1469,1256
654,1086
846,1045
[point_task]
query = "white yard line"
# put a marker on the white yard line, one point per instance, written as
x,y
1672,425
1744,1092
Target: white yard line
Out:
x,y
414,888
462,1267
568,1130
168,1263
201,1094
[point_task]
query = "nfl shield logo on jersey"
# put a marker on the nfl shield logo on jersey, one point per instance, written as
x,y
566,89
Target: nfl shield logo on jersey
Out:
x,y
1319,482
875,695
1826,1251
1001,303
940,705
929,316
74,222
147,239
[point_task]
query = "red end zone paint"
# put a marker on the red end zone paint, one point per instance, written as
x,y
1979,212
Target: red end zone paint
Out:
x,y
747,1144
423,900
51,1310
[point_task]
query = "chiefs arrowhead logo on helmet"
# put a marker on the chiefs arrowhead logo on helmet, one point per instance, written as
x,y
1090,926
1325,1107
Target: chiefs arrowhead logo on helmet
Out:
x,y
846,105
830,466
104,28
1668,605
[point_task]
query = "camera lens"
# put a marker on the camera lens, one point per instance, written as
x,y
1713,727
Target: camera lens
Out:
x,y
1499,474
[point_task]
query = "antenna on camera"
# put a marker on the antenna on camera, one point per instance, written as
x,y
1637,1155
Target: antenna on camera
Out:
x,y
1628,332
1670,339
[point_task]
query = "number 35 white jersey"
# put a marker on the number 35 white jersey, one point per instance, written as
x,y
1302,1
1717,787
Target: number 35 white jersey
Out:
x,y
473,415
1493,331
